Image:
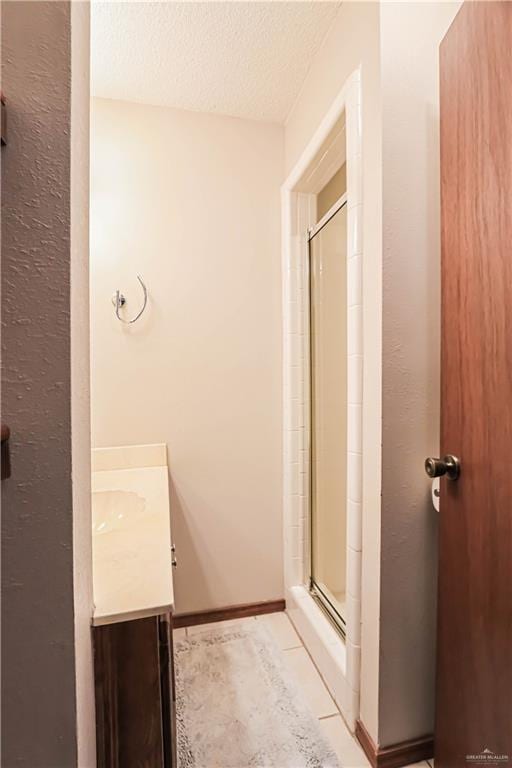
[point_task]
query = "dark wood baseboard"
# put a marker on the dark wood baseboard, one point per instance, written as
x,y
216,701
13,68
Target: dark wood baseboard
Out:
x,y
397,755
230,612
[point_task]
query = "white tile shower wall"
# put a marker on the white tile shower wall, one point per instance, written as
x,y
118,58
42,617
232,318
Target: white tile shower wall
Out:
x,y
354,395
340,666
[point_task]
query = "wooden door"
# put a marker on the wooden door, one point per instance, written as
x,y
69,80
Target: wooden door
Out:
x,y
474,667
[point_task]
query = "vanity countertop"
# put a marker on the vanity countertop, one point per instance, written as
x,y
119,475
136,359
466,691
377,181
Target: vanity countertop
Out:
x,y
131,541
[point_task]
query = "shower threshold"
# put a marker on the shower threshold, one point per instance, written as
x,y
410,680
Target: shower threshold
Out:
x,y
332,605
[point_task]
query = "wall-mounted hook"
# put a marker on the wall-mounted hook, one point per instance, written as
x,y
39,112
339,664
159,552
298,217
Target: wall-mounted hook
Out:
x,y
119,301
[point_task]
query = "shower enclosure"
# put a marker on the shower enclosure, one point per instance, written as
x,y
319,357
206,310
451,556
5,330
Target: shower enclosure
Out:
x,y
328,417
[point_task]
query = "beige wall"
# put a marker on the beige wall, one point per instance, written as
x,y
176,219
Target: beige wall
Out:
x,y
410,36
353,42
47,684
191,201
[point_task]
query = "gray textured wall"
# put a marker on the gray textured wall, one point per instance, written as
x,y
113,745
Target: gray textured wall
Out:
x,y
410,37
38,655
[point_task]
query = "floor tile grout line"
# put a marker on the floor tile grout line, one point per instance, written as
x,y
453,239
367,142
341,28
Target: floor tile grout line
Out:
x,y
324,682
338,710
264,616
320,677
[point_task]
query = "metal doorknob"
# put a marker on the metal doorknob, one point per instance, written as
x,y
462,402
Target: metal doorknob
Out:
x,y
449,466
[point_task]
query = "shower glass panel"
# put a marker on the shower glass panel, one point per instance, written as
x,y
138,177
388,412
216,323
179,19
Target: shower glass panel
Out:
x,y
328,367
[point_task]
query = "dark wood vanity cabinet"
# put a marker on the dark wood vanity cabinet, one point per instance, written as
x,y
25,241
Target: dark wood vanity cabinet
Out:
x,y
135,701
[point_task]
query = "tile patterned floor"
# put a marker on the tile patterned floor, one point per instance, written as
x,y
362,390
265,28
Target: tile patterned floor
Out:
x,y
308,678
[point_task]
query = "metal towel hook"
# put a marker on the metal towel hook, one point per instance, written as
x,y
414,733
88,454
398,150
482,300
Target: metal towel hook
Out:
x,y
119,301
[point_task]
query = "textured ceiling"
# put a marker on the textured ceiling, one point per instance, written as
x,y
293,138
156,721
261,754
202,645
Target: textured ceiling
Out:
x,y
247,59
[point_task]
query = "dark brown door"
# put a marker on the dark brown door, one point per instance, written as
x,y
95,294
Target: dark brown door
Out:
x,y
474,668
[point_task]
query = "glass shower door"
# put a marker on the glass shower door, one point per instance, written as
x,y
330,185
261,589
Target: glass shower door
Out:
x,y
328,367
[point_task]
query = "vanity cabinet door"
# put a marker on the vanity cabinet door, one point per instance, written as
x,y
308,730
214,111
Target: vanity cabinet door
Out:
x,y
105,683
133,681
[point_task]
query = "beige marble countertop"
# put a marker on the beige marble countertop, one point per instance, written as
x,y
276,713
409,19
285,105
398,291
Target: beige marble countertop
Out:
x,y
132,558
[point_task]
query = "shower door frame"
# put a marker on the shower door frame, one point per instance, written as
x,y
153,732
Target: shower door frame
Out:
x,y
315,588
338,659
